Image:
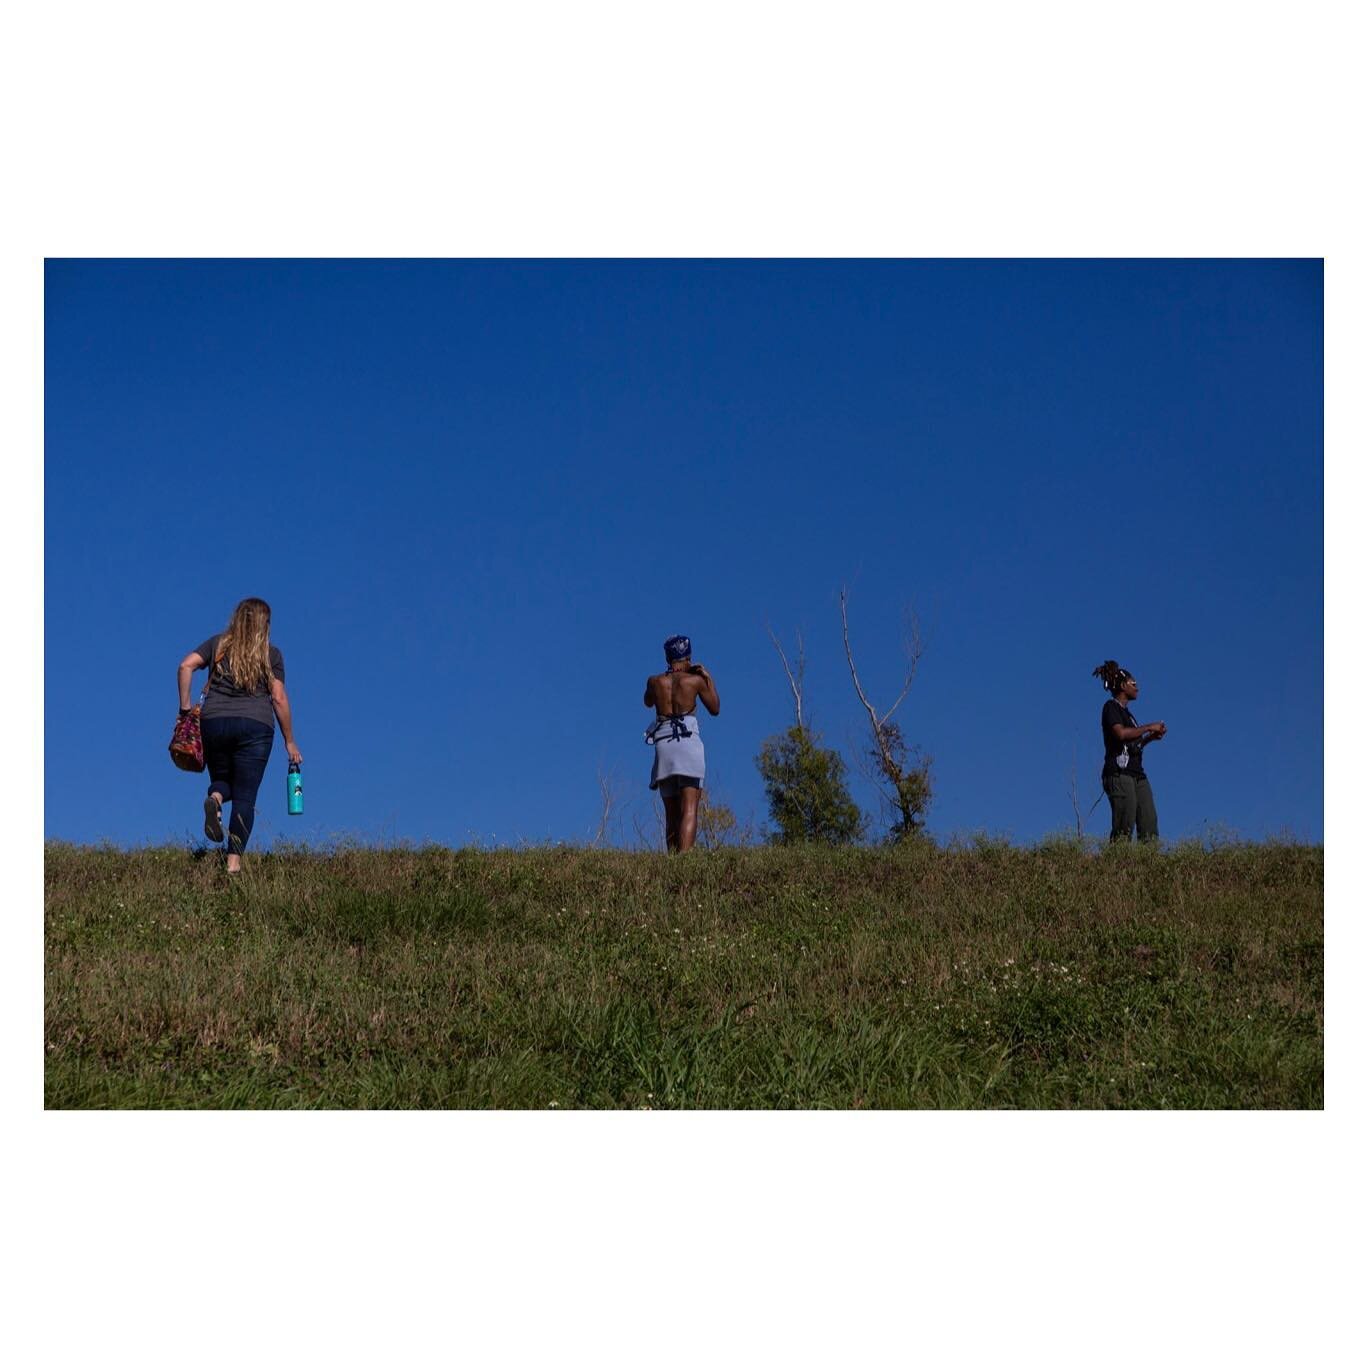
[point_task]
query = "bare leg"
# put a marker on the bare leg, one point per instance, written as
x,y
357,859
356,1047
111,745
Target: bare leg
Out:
x,y
688,817
671,823
234,855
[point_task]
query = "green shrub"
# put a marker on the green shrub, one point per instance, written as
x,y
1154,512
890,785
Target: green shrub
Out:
x,y
806,788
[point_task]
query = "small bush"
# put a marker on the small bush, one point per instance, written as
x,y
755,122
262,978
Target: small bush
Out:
x,y
805,784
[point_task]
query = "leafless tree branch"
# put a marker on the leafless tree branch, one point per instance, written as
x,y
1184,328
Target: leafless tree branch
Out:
x,y
1080,818
644,841
654,838
850,660
608,796
907,783
795,677
912,650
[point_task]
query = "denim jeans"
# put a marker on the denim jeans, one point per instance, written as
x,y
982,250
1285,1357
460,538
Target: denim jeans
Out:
x,y
236,749
1132,805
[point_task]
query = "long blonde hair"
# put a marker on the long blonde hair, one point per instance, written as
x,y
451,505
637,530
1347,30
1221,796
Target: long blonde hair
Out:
x,y
246,645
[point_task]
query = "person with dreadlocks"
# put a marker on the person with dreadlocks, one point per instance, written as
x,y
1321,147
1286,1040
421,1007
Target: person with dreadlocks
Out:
x,y
1123,771
244,698
677,766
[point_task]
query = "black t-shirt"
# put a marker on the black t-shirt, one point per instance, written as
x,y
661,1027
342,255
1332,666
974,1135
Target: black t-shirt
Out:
x,y
226,699
1123,757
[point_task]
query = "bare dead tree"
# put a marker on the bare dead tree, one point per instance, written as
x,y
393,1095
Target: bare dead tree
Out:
x,y
608,798
867,761
1080,818
912,649
795,676
907,780
654,838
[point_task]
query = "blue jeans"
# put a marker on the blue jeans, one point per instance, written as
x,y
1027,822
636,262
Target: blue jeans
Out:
x,y
236,749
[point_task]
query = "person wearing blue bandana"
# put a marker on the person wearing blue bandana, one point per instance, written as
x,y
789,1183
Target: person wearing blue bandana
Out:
x,y
677,765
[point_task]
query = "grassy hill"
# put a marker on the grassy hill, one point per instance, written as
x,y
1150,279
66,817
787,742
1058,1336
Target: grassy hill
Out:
x,y
917,977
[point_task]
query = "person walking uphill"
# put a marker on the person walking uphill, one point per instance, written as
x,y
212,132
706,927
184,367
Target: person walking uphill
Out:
x,y
677,767
245,697
1123,771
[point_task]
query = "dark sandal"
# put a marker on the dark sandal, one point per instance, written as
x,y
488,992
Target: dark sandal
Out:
x,y
213,820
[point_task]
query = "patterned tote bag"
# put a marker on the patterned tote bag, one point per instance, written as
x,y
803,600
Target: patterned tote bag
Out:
x,y
187,745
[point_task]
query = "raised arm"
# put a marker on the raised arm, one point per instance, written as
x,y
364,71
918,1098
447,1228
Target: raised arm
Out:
x,y
194,661
280,701
708,693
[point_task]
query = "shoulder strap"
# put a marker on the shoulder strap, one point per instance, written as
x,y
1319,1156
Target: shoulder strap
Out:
x,y
209,678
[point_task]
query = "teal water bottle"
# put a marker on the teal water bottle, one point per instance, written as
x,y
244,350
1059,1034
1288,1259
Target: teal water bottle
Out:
x,y
294,789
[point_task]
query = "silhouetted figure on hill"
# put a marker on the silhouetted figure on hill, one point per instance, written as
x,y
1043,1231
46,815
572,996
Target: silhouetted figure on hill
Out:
x,y
1123,771
677,768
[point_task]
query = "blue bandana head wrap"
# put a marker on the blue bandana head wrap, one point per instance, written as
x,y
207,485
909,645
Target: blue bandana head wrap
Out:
x,y
678,648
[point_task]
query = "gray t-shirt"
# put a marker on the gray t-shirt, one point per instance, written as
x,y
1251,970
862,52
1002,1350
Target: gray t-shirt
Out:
x,y
225,699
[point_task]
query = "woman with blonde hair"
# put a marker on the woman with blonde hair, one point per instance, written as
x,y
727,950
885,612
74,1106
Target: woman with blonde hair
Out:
x,y
246,687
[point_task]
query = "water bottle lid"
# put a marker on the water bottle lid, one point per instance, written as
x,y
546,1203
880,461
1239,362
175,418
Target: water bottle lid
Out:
x,y
294,766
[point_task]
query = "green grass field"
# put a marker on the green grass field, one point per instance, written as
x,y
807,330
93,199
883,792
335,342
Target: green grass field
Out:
x,y
986,976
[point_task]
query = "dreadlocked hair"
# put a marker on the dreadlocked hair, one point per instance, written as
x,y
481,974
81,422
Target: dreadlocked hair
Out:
x,y
1112,675
246,645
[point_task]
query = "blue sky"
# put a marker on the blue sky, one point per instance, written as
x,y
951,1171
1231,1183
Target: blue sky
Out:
x,y
479,495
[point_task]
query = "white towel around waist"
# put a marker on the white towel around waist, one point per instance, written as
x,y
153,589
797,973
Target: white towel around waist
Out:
x,y
678,748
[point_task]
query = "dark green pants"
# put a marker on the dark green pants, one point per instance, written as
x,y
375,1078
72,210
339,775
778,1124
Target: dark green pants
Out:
x,y
1132,805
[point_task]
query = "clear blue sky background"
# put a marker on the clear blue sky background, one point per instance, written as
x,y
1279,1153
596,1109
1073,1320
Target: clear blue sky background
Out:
x,y
479,495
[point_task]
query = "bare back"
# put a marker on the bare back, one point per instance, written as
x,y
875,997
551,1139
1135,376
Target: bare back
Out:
x,y
676,692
